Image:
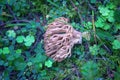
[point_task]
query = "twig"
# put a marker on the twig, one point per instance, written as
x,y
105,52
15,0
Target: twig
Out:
x,y
93,24
39,36
11,12
76,70
91,7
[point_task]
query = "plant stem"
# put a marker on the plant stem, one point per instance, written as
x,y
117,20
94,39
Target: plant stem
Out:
x,y
93,24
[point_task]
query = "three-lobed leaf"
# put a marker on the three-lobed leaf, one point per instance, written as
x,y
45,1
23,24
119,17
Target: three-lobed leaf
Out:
x,y
20,39
11,33
104,10
6,50
48,63
29,40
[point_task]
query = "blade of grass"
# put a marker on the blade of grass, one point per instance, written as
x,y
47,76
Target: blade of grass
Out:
x,y
93,24
52,3
18,24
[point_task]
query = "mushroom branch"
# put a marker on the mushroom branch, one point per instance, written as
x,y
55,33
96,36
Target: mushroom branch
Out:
x,y
60,38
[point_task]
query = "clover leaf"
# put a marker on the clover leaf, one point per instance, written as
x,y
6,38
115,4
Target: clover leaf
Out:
x,y
19,51
111,16
48,63
100,22
111,19
11,33
116,44
104,10
88,25
29,40
29,63
94,49
106,27
20,39
6,50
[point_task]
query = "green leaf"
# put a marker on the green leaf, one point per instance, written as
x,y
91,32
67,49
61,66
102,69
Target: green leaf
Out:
x,y
117,27
39,58
20,65
117,73
29,40
54,4
88,25
116,44
89,70
48,63
100,22
94,49
104,10
11,33
20,39
6,50
40,65
10,57
111,17
43,72
106,27
29,63
18,51
111,6
105,35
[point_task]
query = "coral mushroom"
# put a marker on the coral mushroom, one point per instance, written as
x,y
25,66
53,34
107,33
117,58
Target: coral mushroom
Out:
x,y
59,39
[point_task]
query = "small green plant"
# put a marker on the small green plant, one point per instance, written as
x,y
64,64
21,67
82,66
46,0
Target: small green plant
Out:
x,y
94,49
90,70
29,40
11,33
6,50
20,39
116,44
48,63
104,10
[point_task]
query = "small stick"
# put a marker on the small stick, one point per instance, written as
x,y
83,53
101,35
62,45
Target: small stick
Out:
x,y
93,23
39,35
11,12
